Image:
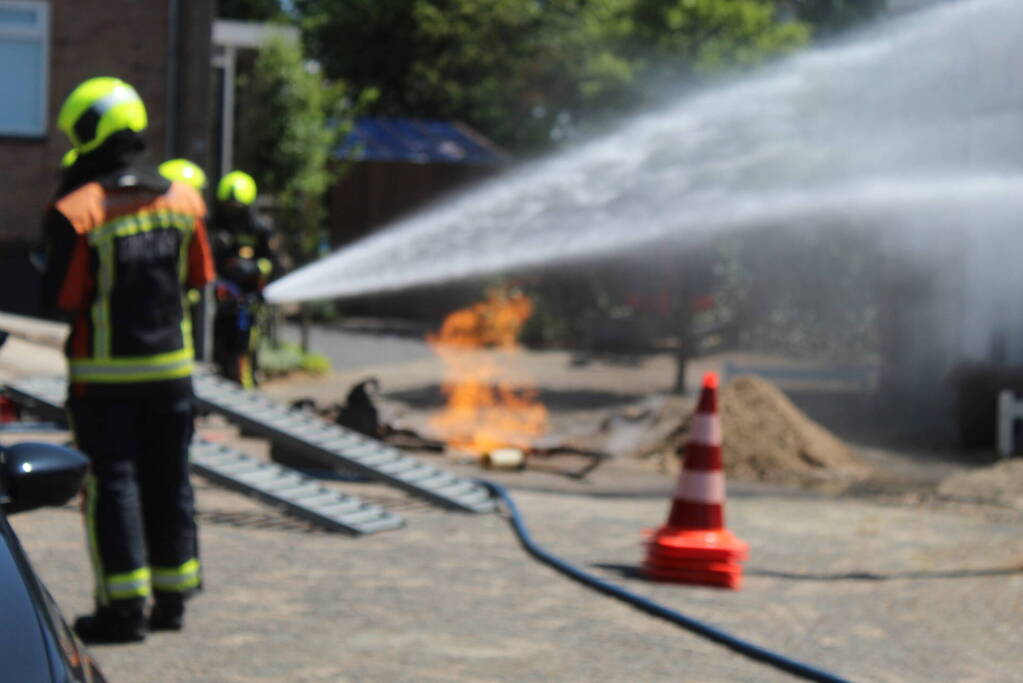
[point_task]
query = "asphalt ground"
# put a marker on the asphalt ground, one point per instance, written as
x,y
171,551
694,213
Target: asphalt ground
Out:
x,y
878,587
867,589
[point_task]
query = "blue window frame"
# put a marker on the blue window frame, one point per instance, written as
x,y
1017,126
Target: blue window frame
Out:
x,y
24,67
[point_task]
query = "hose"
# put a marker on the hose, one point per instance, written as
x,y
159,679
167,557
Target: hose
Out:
x,y
738,645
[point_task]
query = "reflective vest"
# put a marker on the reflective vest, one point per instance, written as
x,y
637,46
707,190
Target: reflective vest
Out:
x,y
136,254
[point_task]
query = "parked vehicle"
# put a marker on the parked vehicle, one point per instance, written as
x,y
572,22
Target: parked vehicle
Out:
x,y
36,643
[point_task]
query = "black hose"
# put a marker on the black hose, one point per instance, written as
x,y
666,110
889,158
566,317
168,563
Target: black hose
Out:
x,y
741,646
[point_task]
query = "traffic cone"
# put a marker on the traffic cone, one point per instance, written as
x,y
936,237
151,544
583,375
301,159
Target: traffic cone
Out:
x,y
694,546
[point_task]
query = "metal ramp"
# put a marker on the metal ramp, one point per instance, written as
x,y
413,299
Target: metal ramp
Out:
x,y
332,446
270,483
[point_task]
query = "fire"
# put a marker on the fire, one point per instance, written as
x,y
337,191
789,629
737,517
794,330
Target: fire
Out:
x,y
485,410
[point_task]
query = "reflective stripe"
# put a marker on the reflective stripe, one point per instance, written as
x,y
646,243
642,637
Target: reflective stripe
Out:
x,y
101,308
91,496
186,241
112,370
177,579
144,221
116,97
701,487
129,585
706,429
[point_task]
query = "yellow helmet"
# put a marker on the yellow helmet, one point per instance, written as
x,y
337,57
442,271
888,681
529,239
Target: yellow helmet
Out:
x,y
237,186
97,109
184,170
69,158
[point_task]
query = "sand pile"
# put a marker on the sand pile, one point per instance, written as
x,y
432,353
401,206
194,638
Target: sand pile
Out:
x,y
767,438
999,484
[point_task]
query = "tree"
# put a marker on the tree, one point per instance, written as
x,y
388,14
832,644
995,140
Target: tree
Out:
x,y
684,37
636,50
496,64
529,73
290,120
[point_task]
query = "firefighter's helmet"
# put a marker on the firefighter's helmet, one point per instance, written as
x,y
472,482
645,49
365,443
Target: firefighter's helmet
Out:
x,y
97,109
237,186
185,171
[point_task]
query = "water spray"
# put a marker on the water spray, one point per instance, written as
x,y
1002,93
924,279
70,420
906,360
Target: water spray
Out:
x,y
917,125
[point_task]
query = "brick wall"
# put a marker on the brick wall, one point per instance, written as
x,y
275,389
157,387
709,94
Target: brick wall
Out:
x,y
123,38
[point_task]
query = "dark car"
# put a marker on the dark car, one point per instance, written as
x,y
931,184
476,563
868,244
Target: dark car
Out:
x,y
36,644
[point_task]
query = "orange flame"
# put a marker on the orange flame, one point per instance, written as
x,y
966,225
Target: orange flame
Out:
x,y
485,410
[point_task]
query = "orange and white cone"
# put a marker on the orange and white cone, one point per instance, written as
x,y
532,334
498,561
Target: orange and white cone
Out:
x,y
694,546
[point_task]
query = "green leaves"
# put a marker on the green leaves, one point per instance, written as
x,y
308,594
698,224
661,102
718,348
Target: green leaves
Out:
x,y
290,119
528,73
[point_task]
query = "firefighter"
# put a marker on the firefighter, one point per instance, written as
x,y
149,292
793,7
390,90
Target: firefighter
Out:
x,y
123,244
245,253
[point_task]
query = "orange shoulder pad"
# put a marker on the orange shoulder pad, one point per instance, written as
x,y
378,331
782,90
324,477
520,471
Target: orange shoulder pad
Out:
x,y
84,207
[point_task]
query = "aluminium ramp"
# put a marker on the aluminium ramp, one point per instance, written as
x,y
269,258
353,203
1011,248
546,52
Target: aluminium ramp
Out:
x,y
270,483
332,445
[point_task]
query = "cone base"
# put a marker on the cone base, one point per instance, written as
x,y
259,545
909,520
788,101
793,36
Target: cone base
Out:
x,y
703,577
658,560
702,544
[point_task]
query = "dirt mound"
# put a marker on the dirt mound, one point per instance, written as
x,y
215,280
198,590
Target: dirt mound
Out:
x,y
766,438
999,484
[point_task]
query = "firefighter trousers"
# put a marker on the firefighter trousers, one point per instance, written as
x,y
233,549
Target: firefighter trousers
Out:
x,y
139,503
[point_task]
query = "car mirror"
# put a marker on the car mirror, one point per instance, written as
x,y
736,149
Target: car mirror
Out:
x,y
40,474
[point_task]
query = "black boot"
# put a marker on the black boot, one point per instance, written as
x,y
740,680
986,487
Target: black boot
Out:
x,y
168,613
110,624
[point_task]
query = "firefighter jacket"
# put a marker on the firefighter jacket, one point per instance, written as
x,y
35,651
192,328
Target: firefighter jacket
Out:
x,y
122,250
243,248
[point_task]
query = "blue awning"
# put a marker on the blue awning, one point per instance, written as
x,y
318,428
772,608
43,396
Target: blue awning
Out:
x,y
417,142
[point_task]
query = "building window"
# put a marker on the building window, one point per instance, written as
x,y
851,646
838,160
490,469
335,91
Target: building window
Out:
x,y
24,67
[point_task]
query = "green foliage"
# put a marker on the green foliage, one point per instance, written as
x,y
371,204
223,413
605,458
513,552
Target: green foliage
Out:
x,y
287,357
708,36
503,66
290,120
530,73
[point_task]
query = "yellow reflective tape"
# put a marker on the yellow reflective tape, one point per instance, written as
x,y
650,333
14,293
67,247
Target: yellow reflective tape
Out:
x,y
101,306
186,330
80,372
189,567
140,574
129,585
186,239
92,539
177,579
143,221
